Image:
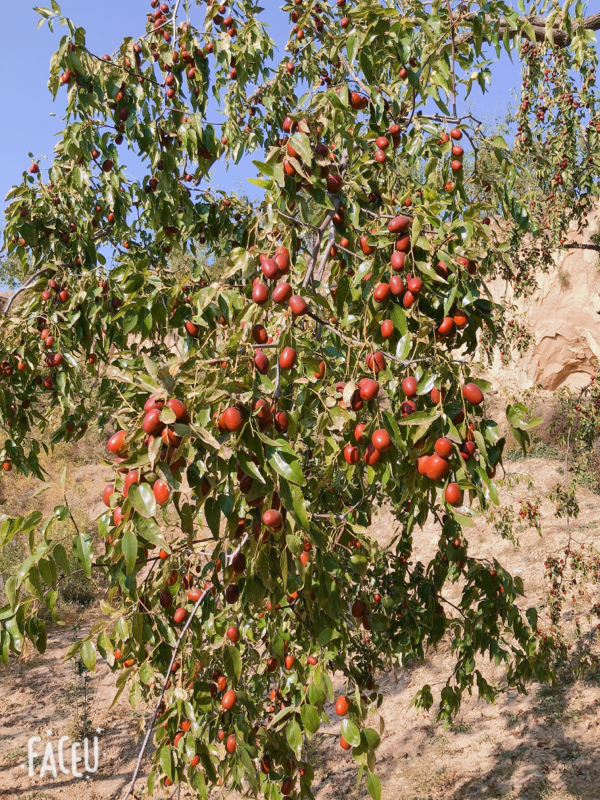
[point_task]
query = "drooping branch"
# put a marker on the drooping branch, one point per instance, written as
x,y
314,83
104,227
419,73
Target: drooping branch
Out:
x,y
123,68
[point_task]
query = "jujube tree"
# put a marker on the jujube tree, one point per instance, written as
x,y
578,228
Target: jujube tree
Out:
x,y
313,360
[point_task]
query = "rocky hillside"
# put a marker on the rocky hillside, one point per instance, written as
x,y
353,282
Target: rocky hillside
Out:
x,y
563,316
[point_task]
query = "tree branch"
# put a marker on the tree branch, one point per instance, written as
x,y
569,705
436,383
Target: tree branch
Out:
x,y
355,77
123,69
359,343
316,248
26,285
452,24
581,246
208,590
323,263
560,36
164,688
175,10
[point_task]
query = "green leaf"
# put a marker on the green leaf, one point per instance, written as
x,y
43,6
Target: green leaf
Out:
x,y
293,734
262,183
24,568
83,547
350,732
399,319
88,654
104,645
374,786
249,467
208,439
301,143
212,514
424,418
284,712
294,502
522,438
141,497
149,531
11,591
165,761
129,546
45,12
60,556
351,47
310,719
233,662
404,345
316,695
266,169
517,416
285,462
146,673
359,564
327,635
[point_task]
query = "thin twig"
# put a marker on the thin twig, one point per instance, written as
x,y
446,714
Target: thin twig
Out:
x,y
580,246
566,472
277,391
208,590
299,221
123,69
348,66
351,340
443,599
566,468
164,688
340,516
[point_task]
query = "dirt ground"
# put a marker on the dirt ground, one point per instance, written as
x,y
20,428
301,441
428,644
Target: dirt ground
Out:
x,y
545,746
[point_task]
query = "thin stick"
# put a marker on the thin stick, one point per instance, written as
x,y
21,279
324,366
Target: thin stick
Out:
x,y
354,75
277,391
208,590
163,690
299,221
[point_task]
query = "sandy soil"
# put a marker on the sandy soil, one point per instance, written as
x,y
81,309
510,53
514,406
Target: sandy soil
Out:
x,y
545,746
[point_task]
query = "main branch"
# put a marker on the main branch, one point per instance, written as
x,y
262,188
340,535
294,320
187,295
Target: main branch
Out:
x,y
560,36
25,286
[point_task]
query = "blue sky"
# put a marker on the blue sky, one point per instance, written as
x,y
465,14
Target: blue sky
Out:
x,y
25,122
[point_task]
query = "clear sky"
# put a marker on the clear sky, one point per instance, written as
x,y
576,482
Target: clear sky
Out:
x,y
25,121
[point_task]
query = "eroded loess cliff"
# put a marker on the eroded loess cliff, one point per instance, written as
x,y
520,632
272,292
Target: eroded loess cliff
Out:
x,y
564,317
